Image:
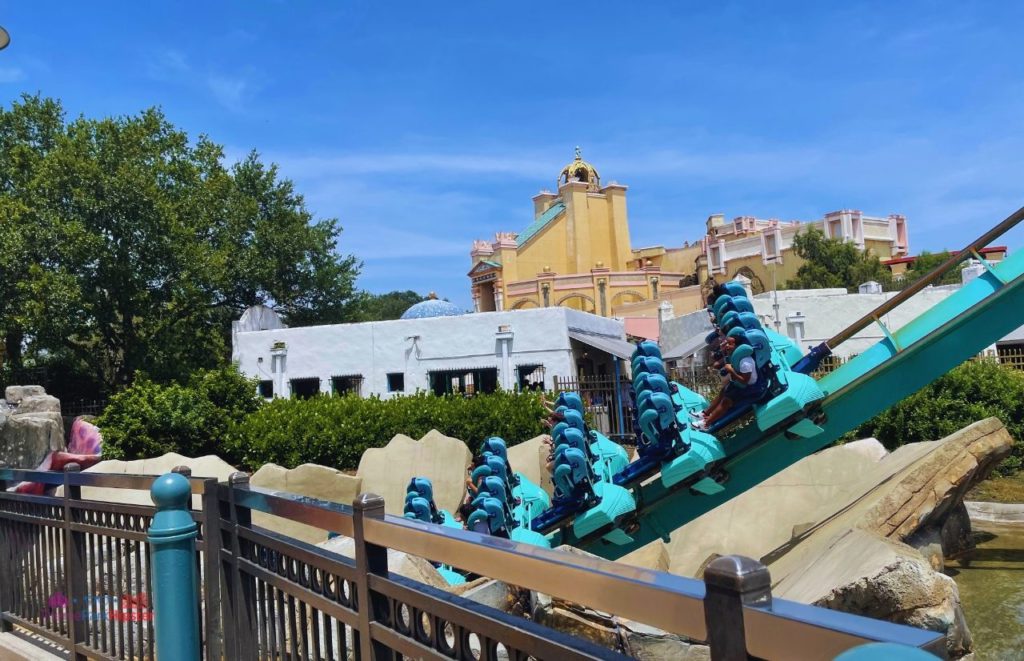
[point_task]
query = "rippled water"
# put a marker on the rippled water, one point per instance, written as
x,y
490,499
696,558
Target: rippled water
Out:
x,y
991,583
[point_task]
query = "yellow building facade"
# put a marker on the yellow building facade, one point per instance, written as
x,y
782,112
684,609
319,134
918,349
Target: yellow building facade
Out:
x,y
577,253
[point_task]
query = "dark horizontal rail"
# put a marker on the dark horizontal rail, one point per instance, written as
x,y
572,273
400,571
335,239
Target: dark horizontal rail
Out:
x,y
105,480
315,512
526,636
672,603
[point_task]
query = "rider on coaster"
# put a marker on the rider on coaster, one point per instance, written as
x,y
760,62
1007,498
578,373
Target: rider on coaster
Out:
x,y
744,384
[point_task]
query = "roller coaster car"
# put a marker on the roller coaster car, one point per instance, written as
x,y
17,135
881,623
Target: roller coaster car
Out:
x,y
529,498
784,394
594,505
419,504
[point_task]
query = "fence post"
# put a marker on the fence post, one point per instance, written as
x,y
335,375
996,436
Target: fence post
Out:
x,y
732,582
370,559
172,536
239,588
6,567
74,568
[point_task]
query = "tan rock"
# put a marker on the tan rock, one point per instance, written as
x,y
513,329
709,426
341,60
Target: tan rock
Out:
x,y
306,480
386,471
864,573
207,466
530,458
400,563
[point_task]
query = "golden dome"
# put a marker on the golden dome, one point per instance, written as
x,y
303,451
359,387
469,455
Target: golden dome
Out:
x,y
580,170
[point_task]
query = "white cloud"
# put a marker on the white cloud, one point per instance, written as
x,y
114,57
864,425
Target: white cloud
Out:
x,y
230,92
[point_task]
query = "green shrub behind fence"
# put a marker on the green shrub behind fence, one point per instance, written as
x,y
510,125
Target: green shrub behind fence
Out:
x,y
335,431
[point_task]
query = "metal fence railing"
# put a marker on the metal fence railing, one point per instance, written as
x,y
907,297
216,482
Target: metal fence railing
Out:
x,y
76,571
267,596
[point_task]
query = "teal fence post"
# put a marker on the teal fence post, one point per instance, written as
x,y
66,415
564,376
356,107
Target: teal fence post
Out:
x,y
172,536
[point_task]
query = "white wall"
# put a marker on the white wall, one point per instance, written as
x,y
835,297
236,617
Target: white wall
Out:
x,y
828,311
374,349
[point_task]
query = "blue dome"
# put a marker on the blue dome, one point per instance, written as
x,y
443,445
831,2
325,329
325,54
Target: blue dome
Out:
x,y
432,307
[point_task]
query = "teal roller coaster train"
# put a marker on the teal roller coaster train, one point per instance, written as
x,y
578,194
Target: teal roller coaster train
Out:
x,y
607,505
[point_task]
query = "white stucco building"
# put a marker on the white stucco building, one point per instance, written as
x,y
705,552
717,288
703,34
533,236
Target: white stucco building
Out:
x,y
811,316
473,352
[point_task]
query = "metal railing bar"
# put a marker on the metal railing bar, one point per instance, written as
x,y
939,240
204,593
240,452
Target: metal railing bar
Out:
x,y
106,480
42,632
303,594
29,518
529,637
301,551
11,497
407,647
112,533
111,508
668,602
323,514
933,275
26,475
822,633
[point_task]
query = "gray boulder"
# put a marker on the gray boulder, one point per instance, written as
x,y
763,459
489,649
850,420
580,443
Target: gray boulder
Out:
x,y
14,394
27,438
38,404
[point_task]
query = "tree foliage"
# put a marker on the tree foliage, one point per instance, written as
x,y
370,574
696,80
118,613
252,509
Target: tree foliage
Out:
x,y
130,247
382,307
833,263
148,419
926,262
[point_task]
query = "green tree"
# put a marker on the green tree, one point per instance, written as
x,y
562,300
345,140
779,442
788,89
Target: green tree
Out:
x,y
926,262
137,246
382,307
148,419
29,247
833,263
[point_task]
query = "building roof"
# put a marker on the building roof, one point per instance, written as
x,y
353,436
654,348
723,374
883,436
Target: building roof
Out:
x,y
645,327
554,211
1016,337
913,258
432,307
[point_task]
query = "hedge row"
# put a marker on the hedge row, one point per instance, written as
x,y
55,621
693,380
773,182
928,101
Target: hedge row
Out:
x,y
218,412
335,431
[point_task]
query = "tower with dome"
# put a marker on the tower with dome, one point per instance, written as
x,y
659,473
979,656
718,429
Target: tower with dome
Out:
x,y
576,253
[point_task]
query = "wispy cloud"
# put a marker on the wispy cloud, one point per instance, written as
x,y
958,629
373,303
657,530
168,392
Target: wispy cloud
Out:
x,y
230,91
11,74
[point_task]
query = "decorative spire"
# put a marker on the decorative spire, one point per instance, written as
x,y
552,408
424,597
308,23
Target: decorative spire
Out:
x,y
580,170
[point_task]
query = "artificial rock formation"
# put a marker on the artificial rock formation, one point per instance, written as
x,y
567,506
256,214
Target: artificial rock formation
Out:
x,y
386,471
30,426
306,480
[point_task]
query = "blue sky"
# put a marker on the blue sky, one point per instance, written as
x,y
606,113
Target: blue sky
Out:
x,y
422,126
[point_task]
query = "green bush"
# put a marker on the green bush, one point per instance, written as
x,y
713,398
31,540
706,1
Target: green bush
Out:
x,y
334,431
975,390
148,419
